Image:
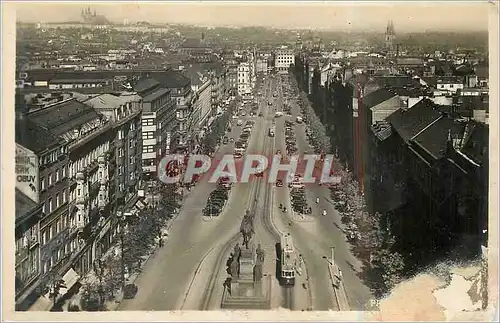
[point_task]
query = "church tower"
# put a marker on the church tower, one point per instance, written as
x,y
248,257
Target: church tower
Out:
x,y
390,36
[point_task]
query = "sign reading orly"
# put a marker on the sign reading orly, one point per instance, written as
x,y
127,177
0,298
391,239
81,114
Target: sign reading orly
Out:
x,y
311,168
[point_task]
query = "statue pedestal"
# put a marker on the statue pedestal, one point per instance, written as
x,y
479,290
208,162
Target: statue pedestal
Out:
x,y
247,294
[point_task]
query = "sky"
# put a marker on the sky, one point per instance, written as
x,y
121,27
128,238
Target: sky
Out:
x,y
333,15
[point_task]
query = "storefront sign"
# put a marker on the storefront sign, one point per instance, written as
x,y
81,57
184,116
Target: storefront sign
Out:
x,y
27,172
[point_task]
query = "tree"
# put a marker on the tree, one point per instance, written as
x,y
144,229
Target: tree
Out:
x,y
91,300
390,265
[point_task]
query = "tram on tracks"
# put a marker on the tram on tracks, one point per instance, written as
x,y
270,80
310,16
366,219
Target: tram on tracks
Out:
x,y
288,261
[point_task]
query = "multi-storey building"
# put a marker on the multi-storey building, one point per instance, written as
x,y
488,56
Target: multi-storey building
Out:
x,y
159,124
244,79
201,85
125,158
232,79
284,57
88,168
180,91
70,141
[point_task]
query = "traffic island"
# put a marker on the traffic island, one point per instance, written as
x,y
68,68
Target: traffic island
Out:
x,y
338,286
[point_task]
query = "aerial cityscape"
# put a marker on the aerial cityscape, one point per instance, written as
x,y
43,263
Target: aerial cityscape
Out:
x,y
173,166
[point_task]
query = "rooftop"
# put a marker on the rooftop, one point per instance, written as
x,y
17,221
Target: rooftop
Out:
x,y
435,137
155,95
33,136
410,122
377,97
109,101
62,117
24,205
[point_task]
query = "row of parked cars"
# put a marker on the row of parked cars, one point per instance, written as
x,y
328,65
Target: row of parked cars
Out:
x,y
290,140
299,200
217,198
241,145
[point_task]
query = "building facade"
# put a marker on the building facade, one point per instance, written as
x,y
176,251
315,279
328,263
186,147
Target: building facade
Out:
x,y
284,57
244,79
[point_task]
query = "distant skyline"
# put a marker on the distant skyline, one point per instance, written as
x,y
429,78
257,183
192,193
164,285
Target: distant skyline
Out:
x,y
342,16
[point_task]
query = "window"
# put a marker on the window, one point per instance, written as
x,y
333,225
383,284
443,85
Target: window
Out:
x,y
120,170
148,149
50,179
120,152
57,175
57,200
50,204
64,172
42,184
148,135
131,160
120,187
147,122
120,134
131,144
132,176
79,192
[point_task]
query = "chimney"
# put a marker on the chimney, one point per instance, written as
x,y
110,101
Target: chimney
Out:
x,y
202,36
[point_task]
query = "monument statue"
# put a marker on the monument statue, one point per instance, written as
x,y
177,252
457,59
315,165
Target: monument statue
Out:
x,y
260,255
234,268
237,252
246,228
257,272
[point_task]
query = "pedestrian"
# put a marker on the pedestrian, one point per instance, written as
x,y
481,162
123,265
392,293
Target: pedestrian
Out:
x,y
317,200
161,242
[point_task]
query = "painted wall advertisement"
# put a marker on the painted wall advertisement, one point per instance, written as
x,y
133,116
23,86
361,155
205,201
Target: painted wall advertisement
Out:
x,y
27,172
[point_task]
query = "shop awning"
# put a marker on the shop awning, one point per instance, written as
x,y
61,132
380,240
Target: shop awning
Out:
x,y
42,304
70,279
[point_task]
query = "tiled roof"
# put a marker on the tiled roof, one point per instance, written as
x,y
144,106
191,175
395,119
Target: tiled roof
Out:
x,y
476,143
145,84
377,97
24,205
171,78
193,43
382,130
410,61
33,136
195,73
155,95
434,138
409,122
109,101
395,80
63,117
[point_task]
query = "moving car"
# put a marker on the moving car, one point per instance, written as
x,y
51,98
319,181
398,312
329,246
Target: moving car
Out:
x,y
299,119
239,122
271,131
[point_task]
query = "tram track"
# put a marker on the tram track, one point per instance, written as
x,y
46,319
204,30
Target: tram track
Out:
x,y
226,247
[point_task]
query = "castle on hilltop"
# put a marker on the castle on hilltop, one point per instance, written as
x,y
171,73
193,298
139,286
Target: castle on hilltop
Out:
x,y
92,18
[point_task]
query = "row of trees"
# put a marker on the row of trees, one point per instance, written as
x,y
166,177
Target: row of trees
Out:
x,y
383,266
217,130
141,235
